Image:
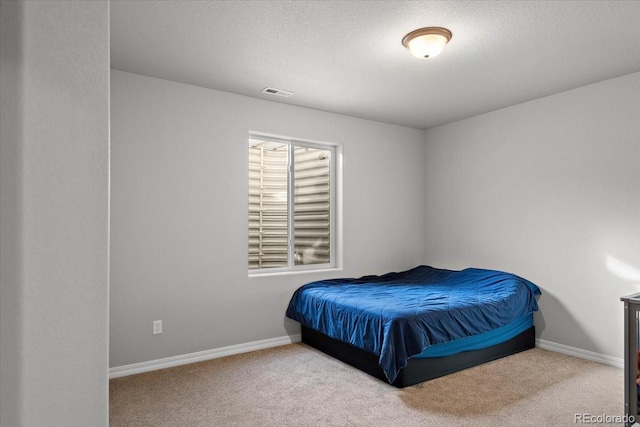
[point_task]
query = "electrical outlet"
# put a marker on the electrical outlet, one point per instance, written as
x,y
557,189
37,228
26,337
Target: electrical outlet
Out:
x,y
157,327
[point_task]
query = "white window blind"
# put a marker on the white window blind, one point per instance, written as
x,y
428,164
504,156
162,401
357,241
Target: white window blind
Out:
x,y
290,204
268,204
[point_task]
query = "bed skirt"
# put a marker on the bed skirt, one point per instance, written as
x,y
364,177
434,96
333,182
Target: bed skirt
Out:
x,y
417,370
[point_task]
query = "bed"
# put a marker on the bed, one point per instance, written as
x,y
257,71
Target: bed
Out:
x,y
411,326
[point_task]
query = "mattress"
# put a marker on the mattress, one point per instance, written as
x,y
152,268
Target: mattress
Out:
x,y
480,341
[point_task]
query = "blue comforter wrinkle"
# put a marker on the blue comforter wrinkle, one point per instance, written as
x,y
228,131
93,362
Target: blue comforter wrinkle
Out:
x,y
398,315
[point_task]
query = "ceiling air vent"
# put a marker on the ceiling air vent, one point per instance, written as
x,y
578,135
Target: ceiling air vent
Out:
x,y
278,92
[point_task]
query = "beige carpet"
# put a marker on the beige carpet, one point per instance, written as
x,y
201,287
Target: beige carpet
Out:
x,y
295,385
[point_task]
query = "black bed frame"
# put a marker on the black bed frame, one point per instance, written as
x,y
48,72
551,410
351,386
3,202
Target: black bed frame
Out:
x,y
417,370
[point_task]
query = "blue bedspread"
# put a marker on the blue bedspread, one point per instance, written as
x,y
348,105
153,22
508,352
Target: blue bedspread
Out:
x,y
398,315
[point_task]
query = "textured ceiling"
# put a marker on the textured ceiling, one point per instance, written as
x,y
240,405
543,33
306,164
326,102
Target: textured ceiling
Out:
x,y
347,57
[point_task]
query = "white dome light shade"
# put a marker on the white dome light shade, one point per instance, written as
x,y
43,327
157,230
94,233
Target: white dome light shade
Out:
x,y
427,46
427,42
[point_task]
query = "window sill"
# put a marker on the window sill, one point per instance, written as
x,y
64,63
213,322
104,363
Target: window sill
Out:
x,y
294,272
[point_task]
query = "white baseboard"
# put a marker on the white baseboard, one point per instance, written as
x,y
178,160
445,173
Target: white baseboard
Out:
x,y
200,356
580,353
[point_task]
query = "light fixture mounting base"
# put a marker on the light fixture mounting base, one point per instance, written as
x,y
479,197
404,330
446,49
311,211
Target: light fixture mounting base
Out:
x,y
426,31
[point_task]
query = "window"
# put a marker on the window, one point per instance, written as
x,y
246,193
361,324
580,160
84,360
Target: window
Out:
x,y
291,205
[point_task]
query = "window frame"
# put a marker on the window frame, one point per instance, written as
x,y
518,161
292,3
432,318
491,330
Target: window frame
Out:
x,y
335,240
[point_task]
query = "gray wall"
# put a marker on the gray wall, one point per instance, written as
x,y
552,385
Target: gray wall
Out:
x,y
547,189
179,213
54,133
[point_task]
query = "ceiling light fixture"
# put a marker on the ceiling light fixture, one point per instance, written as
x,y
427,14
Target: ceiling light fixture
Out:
x,y
427,42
